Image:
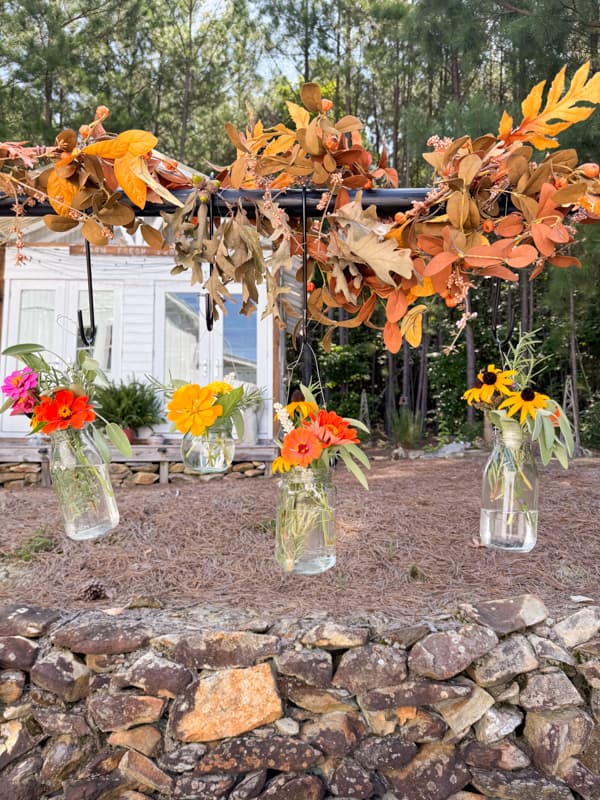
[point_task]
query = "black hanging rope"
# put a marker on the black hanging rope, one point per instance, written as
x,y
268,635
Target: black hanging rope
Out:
x,y
88,334
208,302
510,322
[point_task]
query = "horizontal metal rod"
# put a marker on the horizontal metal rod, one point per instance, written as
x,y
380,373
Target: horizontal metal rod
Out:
x,y
387,202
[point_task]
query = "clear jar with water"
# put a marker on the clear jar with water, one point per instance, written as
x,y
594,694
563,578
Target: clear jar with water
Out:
x,y
305,532
211,452
509,505
81,482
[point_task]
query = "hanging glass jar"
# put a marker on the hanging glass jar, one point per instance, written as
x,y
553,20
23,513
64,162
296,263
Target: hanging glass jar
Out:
x,y
81,482
213,451
305,532
509,505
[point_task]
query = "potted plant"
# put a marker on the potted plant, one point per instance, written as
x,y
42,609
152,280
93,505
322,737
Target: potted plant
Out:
x,y
134,405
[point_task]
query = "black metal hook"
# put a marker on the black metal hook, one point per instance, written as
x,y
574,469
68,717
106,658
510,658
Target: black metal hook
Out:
x,y
495,311
88,335
208,303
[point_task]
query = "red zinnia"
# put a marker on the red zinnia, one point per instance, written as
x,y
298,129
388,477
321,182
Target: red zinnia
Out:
x,y
300,447
62,411
332,429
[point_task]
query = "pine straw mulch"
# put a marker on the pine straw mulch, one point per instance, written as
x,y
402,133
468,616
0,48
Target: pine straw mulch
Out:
x,y
406,549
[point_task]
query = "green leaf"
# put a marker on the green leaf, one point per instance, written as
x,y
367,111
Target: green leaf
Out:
x,y
308,395
230,401
547,431
118,438
8,403
537,428
100,443
238,421
561,455
356,423
354,469
545,451
358,454
22,349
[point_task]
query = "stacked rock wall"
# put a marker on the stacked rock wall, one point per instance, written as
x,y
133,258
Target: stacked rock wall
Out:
x,y
498,702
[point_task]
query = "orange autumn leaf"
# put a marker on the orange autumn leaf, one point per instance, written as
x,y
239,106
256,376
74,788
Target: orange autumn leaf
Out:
x,y
109,148
133,186
392,338
61,193
540,126
135,142
396,305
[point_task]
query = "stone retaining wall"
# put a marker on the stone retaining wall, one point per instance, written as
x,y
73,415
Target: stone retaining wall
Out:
x,y
498,701
18,476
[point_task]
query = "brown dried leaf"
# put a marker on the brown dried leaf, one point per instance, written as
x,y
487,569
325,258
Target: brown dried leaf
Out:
x,y
235,138
92,231
152,237
570,194
348,123
310,94
58,223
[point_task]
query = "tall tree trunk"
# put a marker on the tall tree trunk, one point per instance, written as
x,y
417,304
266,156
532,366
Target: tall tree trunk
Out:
x,y
390,393
471,370
524,301
407,394
423,387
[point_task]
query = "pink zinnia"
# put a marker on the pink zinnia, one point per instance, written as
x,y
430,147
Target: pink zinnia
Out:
x,y
19,382
24,405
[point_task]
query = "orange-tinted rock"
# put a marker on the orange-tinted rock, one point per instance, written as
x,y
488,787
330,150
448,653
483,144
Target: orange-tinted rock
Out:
x,y
320,701
227,703
145,739
143,771
12,682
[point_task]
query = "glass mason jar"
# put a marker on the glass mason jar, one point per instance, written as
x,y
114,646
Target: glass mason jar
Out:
x,y
509,504
81,482
212,451
305,532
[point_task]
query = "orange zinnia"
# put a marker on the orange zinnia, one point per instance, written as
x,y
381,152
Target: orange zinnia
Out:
x,y
300,447
332,429
64,410
193,409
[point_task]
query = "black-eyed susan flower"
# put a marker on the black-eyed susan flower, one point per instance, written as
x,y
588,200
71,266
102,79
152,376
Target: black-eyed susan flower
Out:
x,y
527,401
494,380
473,395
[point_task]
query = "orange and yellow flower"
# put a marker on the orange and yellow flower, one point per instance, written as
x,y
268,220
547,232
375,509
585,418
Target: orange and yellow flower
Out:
x,y
280,465
301,409
300,447
220,387
473,395
63,410
193,409
526,401
331,429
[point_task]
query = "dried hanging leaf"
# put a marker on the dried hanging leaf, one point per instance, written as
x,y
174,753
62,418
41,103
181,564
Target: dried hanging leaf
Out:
x,y
571,194
118,214
348,123
468,168
60,193
235,138
299,115
412,325
126,169
396,306
92,231
59,223
138,142
392,337
310,94
109,148
152,237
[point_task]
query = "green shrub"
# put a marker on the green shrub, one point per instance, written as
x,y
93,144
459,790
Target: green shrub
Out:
x,y
589,423
131,405
406,427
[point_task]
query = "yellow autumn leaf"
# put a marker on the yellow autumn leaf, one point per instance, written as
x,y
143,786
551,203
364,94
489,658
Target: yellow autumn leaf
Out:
x,y
281,144
134,187
138,142
60,193
421,290
109,148
299,115
412,325
539,127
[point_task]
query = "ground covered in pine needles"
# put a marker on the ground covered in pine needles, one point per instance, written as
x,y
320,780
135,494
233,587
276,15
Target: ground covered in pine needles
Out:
x,y
406,549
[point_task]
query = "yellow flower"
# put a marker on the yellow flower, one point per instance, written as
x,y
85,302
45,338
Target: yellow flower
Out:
x,y
193,408
527,401
219,387
473,395
301,407
280,465
494,380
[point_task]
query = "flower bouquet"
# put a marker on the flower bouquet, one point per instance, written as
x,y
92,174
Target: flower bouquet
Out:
x,y
206,416
314,439
520,415
58,402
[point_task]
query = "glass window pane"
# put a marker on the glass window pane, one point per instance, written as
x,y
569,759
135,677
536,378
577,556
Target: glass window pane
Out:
x,y
101,350
37,316
239,344
182,335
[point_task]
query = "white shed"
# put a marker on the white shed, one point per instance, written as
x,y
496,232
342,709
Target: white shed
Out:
x,y
148,321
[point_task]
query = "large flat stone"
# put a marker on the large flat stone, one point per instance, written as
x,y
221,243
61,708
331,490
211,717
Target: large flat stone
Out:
x,y
496,723
225,649
226,704
553,736
156,675
55,722
501,755
102,637
303,787
145,739
17,652
443,655
244,754
144,772
335,734
507,616
579,627
370,667
434,774
202,787
513,656
412,693
546,650
23,620
333,636
385,752
352,781
545,691
62,674
319,701
463,712
520,785
311,666
119,712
